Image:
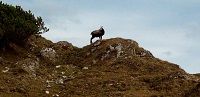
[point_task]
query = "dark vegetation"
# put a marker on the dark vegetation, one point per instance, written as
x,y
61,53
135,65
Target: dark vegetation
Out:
x,y
108,68
16,25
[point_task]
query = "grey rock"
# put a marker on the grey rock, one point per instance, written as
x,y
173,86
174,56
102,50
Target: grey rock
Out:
x,y
49,54
97,44
119,50
28,65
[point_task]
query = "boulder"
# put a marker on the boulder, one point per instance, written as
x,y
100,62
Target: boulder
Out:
x,y
28,65
49,54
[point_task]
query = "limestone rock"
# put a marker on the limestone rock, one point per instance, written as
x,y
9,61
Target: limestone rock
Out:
x,y
28,65
49,54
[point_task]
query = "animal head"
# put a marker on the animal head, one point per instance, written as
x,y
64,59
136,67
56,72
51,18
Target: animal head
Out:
x,y
101,28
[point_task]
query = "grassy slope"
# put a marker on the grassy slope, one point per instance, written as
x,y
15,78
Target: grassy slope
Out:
x,y
113,67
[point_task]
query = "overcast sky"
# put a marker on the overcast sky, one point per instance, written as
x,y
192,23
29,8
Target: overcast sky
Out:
x,y
170,29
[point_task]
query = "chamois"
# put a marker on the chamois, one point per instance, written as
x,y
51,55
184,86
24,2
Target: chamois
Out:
x,y
97,33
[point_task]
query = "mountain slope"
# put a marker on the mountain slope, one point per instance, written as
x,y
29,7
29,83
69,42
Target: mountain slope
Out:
x,y
135,69
112,67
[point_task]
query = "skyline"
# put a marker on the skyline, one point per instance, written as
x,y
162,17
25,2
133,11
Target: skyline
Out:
x,y
168,28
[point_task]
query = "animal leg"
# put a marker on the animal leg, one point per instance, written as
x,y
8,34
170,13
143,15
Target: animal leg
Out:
x,y
91,40
100,37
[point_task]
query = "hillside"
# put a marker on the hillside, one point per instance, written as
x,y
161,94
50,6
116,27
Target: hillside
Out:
x,y
113,67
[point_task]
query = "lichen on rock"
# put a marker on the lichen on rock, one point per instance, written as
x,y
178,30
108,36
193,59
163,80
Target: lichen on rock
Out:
x,y
49,54
28,65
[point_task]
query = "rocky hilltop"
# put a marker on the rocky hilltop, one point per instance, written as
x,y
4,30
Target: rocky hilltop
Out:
x,y
114,67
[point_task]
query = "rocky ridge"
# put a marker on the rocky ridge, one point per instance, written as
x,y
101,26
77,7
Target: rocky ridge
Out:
x,y
112,67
